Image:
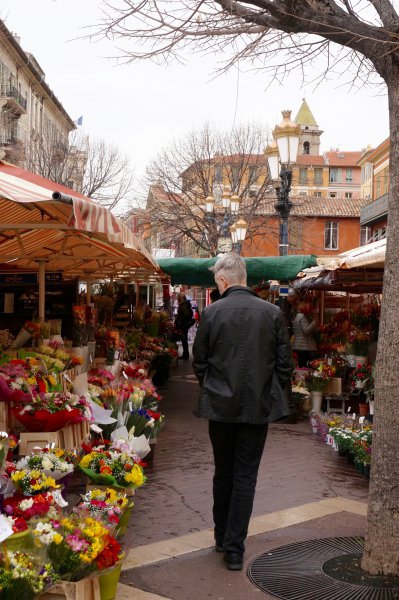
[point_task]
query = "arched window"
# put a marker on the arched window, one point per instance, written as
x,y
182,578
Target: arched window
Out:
x,y
306,147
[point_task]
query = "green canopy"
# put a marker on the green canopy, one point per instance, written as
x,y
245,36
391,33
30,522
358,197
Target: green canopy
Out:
x,y
195,271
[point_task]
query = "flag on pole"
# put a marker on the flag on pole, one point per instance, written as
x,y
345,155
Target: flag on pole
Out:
x,y
79,121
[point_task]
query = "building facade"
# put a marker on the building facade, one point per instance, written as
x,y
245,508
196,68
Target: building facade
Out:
x,y
375,181
34,126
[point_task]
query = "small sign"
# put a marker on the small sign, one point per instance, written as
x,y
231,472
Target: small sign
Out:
x,y
124,375
59,499
284,290
5,528
67,378
96,428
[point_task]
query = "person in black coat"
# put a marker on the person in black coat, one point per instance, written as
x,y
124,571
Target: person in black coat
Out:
x,y
183,321
242,360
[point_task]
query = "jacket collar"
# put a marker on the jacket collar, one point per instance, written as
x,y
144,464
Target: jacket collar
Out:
x,y
237,289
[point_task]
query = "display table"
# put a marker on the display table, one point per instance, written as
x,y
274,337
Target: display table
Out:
x,y
336,403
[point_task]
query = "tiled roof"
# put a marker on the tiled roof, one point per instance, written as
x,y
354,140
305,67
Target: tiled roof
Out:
x,y
342,158
305,116
312,206
307,160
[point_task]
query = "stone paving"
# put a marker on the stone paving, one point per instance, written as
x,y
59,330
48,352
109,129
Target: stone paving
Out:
x,y
304,491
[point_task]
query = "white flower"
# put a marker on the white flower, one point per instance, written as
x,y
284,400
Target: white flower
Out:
x,y
47,463
25,504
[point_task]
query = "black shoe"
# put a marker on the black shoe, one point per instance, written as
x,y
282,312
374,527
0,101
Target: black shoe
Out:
x,y
183,357
219,547
233,561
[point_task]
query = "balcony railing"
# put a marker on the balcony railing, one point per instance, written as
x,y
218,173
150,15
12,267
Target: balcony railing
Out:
x,y
11,92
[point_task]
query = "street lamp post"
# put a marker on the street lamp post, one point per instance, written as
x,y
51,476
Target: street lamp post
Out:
x,y
281,155
232,234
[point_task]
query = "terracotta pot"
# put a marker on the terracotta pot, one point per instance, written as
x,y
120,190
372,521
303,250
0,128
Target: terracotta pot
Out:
x,y
363,410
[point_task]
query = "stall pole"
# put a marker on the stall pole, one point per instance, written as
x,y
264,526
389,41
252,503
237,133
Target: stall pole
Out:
x,y
137,293
42,289
88,285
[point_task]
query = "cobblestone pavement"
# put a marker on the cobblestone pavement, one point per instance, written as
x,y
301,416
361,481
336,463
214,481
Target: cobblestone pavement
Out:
x,y
304,490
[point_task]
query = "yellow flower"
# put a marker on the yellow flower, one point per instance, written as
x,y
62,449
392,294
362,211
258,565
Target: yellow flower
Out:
x,y
135,476
86,460
18,475
57,539
52,379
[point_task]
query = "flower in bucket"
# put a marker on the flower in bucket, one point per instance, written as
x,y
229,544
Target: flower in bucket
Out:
x,y
320,375
77,546
362,378
42,505
22,576
113,467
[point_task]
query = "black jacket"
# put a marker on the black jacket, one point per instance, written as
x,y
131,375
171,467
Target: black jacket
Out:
x,y
242,359
185,316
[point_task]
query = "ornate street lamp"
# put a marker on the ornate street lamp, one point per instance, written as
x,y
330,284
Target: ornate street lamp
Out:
x,y
231,235
281,154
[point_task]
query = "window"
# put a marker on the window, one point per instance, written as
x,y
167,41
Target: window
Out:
x,y
348,194
303,176
365,235
218,173
252,175
235,178
302,194
331,236
380,233
335,175
332,194
317,194
306,148
349,174
318,176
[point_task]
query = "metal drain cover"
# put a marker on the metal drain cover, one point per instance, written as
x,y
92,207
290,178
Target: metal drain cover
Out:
x,y
295,572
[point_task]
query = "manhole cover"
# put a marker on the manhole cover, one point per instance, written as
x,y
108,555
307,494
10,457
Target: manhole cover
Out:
x,y
299,572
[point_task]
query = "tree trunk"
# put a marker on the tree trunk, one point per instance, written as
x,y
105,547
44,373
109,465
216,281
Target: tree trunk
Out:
x,y
381,554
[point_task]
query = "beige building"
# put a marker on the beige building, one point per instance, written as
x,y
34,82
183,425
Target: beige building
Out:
x,y
34,126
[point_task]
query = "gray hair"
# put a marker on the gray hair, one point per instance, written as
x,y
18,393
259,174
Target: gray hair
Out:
x,y
232,267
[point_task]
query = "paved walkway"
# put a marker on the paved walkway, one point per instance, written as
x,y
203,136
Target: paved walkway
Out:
x,y
304,491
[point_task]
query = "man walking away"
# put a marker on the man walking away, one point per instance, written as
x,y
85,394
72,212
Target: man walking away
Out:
x,y
242,360
183,321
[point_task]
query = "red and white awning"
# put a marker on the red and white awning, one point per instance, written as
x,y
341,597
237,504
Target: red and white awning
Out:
x,y
73,234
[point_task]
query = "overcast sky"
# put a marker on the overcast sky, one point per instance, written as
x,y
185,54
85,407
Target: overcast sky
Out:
x,y
142,107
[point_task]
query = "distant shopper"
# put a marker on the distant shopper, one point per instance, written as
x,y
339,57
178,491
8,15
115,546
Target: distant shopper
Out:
x,y
242,359
304,326
183,321
214,295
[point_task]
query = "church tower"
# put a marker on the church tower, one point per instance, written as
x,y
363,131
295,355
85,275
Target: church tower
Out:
x,y
309,142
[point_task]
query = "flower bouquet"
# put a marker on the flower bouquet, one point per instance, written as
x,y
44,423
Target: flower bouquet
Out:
x,y
320,375
47,461
22,577
113,467
39,506
106,505
77,546
361,378
28,330
29,482
52,411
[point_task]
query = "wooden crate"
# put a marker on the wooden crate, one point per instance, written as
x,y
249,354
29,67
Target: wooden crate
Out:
x,y
30,440
86,589
334,386
5,420
70,374
69,437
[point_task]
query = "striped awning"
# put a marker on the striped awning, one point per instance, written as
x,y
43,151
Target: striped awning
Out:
x,y
42,220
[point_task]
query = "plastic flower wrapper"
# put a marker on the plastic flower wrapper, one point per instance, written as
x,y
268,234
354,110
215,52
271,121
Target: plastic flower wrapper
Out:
x,y
141,421
23,576
99,507
48,462
32,481
113,467
77,546
126,441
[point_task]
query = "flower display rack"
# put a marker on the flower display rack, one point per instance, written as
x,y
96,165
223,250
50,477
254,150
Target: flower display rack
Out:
x,y
69,438
85,589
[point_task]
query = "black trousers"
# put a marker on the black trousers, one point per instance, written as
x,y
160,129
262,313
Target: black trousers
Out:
x,y
184,342
237,451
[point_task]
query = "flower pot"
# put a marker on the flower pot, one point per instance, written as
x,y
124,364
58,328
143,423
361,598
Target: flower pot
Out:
x,y
124,521
363,410
109,582
316,398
